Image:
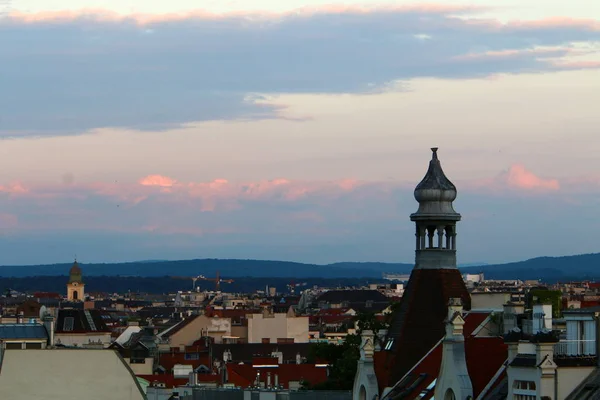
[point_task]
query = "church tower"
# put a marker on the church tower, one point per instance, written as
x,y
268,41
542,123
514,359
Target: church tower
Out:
x,y
75,286
419,322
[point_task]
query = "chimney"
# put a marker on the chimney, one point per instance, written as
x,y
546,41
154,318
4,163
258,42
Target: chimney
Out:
x,y
48,321
193,380
20,317
454,306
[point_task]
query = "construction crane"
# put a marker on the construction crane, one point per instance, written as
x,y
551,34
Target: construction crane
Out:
x,y
217,280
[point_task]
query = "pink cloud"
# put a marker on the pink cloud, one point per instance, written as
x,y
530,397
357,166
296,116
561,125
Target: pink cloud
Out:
x,y
515,53
107,16
14,188
567,64
157,180
517,176
557,22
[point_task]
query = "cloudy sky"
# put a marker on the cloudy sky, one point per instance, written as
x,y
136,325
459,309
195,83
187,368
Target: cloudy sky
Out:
x,y
295,130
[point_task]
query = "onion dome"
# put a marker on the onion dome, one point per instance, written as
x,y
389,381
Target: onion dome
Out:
x,y
435,193
75,273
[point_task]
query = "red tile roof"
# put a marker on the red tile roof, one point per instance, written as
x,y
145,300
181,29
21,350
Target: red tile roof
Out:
x,y
47,295
244,375
170,381
265,361
168,360
484,355
419,322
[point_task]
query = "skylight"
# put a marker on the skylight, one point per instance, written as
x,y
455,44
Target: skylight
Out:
x,y
68,323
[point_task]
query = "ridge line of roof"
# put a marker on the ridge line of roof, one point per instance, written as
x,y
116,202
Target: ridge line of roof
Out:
x,y
492,381
413,368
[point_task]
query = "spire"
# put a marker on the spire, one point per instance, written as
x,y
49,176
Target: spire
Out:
x,y
75,273
435,193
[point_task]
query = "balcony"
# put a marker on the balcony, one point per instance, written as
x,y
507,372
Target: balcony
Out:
x,y
575,348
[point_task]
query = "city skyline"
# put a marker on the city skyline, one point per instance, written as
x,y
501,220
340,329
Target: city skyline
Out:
x,y
295,133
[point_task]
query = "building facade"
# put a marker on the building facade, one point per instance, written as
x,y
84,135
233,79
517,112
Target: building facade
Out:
x,y
75,286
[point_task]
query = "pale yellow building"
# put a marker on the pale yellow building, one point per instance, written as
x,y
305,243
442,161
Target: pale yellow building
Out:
x,y
75,286
270,327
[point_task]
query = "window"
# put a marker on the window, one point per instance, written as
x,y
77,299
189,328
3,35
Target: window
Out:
x,y
191,356
14,346
68,323
524,390
524,385
33,345
389,344
266,340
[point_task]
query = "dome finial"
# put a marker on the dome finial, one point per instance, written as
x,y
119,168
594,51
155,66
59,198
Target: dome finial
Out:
x,y
434,155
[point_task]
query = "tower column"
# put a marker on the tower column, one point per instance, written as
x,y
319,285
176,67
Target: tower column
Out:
x,y
423,234
440,232
418,236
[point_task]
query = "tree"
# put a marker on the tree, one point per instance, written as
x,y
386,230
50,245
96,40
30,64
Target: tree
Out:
x,y
343,359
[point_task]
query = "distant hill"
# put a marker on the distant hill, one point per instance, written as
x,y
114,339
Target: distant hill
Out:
x,y
209,268
585,266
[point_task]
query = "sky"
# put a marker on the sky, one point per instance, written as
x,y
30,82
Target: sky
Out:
x,y
295,130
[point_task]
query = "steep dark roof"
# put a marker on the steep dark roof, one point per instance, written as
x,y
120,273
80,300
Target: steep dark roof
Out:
x,y
418,324
435,177
524,360
80,321
484,357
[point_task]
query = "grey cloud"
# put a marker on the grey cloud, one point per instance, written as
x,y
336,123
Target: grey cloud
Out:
x,y
69,77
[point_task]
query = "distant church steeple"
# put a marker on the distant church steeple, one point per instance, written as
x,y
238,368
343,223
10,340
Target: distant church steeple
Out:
x,y
75,286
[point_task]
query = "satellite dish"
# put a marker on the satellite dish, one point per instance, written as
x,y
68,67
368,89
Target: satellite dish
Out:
x,y
43,312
